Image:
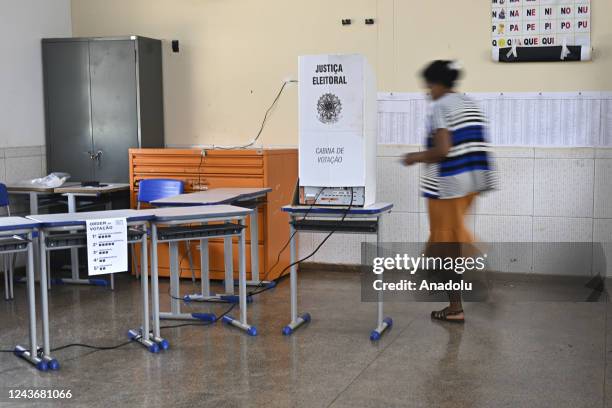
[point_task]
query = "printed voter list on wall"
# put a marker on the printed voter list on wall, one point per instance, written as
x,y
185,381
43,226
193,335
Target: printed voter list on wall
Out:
x,y
541,30
107,246
331,120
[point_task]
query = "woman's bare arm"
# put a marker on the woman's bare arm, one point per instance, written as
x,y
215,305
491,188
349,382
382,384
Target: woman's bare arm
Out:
x,y
442,144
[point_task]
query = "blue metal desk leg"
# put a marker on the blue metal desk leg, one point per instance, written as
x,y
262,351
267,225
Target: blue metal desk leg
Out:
x,y
204,268
4,258
12,276
383,322
296,321
229,266
109,206
255,278
34,211
242,323
31,355
7,267
175,301
143,335
228,294
154,287
75,278
205,296
74,253
44,301
33,200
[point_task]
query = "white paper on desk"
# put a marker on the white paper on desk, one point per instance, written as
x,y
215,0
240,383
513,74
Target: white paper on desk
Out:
x,y
107,246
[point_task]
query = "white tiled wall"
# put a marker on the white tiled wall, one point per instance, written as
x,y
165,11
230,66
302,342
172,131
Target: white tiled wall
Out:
x,y
21,163
603,188
545,195
18,164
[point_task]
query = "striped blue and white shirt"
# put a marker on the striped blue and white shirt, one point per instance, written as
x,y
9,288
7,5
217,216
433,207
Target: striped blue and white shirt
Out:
x,y
467,166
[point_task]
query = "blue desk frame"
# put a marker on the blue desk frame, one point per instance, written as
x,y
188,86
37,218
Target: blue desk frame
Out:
x,y
74,222
300,212
238,196
24,228
182,216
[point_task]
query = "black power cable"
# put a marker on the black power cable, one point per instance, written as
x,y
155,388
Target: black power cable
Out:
x,y
338,224
270,269
261,128
209,323
263,122
259,284
114,347
228,310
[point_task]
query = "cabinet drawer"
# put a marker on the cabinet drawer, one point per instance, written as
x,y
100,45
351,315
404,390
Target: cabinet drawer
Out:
x,y
203,182
182,168
233,165
211,163
218,181
143,159
192,182
197,182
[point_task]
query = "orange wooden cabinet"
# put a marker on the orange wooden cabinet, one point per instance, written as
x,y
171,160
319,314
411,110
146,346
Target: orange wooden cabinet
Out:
x,y
202,169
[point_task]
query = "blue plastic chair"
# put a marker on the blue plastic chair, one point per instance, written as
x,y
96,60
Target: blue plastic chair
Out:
x,y
7,261
155,189
4,199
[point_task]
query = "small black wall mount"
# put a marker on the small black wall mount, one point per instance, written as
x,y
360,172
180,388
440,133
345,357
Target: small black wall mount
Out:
x,y
175,45
346,21
369,21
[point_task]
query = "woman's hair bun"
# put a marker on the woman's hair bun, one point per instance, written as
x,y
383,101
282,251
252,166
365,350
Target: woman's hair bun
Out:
x,y
443,72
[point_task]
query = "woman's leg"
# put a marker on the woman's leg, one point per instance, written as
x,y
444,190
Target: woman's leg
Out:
x,y
447,227
465,239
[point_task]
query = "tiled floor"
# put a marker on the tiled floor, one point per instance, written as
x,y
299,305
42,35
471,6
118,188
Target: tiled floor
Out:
x,y
525,354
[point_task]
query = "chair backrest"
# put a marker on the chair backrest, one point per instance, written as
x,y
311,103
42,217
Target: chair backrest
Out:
x,y
4,202
154,189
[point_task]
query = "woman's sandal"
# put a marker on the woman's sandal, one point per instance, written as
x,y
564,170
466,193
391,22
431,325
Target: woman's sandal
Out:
x,y
444,313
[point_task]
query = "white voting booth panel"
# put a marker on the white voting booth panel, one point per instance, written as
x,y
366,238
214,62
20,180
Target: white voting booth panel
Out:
x,y
338,130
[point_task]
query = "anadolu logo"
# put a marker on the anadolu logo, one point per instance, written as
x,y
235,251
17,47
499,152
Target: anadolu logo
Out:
x,y
329,108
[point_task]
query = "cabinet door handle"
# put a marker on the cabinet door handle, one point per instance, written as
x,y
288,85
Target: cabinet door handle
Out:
x,y
98,157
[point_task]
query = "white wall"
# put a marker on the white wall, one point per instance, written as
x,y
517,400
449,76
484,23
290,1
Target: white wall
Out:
x,y
22,25
235,53
545,195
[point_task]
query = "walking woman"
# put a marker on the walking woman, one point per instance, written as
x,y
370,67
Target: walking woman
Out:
x,y
457,169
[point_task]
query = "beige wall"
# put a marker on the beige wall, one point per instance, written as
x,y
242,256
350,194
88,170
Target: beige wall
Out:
x,y
236,53
22,24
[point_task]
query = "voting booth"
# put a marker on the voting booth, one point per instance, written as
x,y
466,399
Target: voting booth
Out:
x,y
338,130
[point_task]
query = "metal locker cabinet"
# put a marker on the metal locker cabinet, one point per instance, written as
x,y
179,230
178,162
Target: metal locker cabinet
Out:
x,y
120,105
67,108
151,92
114,113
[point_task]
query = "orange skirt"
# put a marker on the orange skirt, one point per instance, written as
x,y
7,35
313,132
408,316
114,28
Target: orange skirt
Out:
x,y
448,235
447,219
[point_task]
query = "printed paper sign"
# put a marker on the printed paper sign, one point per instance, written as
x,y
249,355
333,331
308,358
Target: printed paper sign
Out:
x,y
331,120
540,23
107,246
